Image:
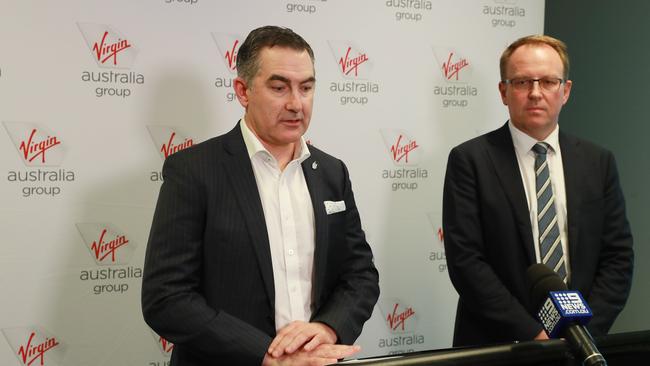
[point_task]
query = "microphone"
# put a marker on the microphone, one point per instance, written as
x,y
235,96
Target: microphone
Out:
x,y
563,312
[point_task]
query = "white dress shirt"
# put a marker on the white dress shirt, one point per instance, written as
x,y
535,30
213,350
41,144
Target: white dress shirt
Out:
x,y
289,217
526,160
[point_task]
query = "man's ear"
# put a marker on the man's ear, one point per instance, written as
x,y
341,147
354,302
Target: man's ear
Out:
x,y
502,92
241,90
567,91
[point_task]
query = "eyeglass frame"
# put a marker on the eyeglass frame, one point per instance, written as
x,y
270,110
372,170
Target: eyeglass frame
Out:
x,y
530,82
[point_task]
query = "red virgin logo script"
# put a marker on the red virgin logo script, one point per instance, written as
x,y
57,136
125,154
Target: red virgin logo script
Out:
x,y
397,320
101,249
104,51
352,64
170,147
231,56
166,345
402,151
452,69
31,352
32,149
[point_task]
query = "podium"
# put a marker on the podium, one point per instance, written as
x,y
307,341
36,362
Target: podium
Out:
x,y
623,349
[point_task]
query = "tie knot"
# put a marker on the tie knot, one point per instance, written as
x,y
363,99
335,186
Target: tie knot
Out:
x,y
540,148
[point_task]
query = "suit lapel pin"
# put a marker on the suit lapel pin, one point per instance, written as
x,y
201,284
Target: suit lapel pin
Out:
x,y
314,165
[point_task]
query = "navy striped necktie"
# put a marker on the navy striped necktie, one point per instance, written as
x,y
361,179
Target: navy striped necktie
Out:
x,y
550,245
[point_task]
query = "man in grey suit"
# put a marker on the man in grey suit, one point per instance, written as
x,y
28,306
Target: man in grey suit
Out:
x,y
528,193
256,254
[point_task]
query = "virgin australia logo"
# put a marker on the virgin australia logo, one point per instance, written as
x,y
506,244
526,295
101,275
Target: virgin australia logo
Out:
x,y
435,219
108,47
399,317
36,145
453,66
401,146
166,347
107,244
351,60
168,141
35,346
228,45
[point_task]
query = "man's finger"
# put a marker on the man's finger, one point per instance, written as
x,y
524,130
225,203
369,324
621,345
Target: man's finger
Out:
x,y
281,334
296,343
314,342
335,351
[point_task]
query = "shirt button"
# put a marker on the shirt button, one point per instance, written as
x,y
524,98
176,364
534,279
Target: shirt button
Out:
x,y
290,251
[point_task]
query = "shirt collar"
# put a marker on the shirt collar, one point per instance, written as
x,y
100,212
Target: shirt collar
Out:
x,y
524,143
255,147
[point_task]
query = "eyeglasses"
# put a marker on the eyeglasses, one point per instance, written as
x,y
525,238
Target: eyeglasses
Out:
x,y
525,84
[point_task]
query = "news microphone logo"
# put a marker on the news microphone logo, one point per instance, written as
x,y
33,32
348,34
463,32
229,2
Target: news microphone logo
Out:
x,y
561,309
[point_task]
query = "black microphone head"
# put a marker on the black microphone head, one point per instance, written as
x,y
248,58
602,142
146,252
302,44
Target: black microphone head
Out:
x,y
541,280
536,273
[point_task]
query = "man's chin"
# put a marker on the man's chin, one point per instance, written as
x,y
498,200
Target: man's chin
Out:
x,y
290,138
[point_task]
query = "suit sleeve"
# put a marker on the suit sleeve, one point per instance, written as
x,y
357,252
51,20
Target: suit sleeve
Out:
x,y
481,290
613,277
356,290
172,303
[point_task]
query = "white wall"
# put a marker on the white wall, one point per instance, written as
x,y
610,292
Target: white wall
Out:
x,y
96,156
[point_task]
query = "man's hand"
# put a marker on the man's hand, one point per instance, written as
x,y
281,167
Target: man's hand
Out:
x,y
299,334
325,354
541,336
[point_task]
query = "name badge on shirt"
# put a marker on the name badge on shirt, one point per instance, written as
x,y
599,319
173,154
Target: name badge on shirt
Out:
x,y
332,207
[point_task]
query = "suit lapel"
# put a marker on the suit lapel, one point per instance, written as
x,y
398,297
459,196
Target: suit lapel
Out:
x,y
244,188
313,178
502,152
572,174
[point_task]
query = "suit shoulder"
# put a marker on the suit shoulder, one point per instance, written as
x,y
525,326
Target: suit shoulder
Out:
x,y
323,157
479,143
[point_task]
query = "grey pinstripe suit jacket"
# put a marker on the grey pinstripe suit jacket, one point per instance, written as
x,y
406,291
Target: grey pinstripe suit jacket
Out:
x,y
208,280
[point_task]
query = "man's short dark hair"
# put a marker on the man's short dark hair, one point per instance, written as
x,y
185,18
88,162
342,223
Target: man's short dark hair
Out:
x,y
260,38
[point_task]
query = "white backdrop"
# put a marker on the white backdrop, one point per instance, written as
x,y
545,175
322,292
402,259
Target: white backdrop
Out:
x,y
94,94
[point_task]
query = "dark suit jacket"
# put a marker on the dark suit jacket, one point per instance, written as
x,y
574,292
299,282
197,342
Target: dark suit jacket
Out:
x,y
489,242
208,279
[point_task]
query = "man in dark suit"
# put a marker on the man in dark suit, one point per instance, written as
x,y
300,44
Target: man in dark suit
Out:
x,y
528,193
256,253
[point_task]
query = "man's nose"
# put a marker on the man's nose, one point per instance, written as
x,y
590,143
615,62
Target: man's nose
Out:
x,y
535,90
294,104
